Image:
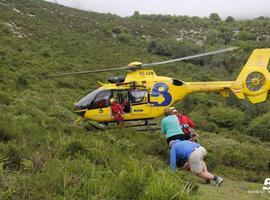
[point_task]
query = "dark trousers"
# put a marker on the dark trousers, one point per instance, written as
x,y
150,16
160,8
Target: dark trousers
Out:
x,y
176,137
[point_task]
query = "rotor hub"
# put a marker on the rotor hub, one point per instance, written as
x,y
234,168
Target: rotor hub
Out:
x,y
255,81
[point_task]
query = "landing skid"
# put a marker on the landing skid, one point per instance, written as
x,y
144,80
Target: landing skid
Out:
x,y
139,126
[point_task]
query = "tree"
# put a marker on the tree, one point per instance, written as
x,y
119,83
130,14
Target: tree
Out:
x,y
215,17
136,14
213,37
229,19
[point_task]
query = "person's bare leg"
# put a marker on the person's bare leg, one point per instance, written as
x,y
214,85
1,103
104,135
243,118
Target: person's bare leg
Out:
x,y
204,167
205,175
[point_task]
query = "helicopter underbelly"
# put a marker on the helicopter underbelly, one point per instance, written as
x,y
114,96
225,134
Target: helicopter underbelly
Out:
x,y
137,112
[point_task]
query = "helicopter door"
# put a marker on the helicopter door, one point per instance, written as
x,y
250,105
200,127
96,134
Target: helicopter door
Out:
x,y
122,97
139,102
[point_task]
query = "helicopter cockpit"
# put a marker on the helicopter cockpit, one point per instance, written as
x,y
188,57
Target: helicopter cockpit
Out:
x,y
100,98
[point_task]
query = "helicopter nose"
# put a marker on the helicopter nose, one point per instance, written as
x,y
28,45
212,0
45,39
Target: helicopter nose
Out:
x,y
79,110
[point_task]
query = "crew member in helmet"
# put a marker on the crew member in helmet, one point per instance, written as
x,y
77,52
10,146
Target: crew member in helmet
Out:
x,y
117,112
186,124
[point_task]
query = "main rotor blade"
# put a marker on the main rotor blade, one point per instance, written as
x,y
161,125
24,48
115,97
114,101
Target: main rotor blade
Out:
x,y
86,72
144,65
190,57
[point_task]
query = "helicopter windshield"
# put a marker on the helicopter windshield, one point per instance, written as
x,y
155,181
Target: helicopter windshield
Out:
x,y
86,101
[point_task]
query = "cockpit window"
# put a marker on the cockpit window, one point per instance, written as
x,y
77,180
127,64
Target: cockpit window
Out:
x,y
102,99
86,101
138,96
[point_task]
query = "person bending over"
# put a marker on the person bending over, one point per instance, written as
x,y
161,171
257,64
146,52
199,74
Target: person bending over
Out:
x,y
192,154
170,127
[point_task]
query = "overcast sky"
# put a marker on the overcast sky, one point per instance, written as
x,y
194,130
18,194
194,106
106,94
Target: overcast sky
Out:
x,y
203,8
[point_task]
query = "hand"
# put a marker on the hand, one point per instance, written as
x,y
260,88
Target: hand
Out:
x,y
186,166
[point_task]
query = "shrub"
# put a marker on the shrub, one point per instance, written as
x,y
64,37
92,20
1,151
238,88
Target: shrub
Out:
x,y
160,48
165,185
5,136
201,122
74,148
7,128
130,183
157,148
117,30
125,38
235,155
246,35
260,127
5,98
227,117
13,158
22,82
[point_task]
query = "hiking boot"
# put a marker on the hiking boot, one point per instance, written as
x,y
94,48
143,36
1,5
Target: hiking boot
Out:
x,y
218,181
207,181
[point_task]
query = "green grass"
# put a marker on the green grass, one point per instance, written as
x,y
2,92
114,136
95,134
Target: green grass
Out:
x,y
232,190
43,155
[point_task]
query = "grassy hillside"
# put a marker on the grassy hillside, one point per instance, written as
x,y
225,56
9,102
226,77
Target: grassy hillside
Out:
x,y
44,156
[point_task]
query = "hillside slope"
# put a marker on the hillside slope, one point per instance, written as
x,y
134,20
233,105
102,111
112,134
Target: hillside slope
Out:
x,y
43,155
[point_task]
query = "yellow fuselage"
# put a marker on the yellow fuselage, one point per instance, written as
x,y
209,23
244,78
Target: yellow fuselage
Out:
x,y
162,93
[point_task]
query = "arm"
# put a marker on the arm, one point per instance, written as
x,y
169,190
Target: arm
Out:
x,y
191,123
186,166
172,159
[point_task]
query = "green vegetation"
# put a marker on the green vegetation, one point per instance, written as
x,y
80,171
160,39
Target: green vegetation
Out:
x,y
44,156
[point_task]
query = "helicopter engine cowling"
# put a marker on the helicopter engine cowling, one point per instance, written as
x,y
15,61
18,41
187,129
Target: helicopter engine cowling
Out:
x,y
117,79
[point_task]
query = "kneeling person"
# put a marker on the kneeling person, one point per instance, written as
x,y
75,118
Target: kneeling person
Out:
x,y
192,153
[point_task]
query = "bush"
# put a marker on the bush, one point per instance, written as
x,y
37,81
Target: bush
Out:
x,y
124,37
246,35
5,136
201,122
22,82
74,148
13,158
130,183
117,30
260,127
167,185
160,48
5,98
7,128
236,156
157,147
227,117
137,182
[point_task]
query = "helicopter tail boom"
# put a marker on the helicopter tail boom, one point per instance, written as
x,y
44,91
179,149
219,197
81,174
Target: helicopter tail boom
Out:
x,y
219,86
253,81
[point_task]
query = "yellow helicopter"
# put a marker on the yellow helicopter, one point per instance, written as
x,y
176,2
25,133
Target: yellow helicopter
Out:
x,y
144,95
